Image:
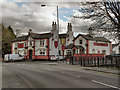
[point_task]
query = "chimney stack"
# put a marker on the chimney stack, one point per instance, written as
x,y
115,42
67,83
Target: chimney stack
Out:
x,y
54,26
18,32
30,31
69,27
90,32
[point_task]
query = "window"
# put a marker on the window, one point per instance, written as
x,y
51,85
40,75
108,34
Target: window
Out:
x,y
25,44
41,43
80,41
81,51
42,52
93,51
76,51
69,53
15,51
30,43
16,45
59,52
103,51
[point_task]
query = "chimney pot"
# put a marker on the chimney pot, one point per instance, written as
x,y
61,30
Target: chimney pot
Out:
x,y
53,23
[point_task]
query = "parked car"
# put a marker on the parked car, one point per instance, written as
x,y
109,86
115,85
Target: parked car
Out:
x,y
54,57
13,57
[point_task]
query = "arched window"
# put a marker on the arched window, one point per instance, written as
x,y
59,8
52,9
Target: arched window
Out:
x,y
93,51
103,51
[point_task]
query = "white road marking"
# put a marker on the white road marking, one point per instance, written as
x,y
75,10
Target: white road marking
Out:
x,y
105,84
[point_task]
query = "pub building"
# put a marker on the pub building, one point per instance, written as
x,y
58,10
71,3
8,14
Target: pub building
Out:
x,y
45,45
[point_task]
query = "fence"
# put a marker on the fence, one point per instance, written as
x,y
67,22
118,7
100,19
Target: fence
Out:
x,y
94,60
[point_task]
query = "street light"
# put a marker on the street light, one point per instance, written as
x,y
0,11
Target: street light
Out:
x,y
57,24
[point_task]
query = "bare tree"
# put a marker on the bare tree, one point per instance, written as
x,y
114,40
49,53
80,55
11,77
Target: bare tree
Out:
x,y
105,16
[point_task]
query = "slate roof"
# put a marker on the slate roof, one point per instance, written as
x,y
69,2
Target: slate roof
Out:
x,y
20,38
101,39
63,35
34,36
88,37
40,36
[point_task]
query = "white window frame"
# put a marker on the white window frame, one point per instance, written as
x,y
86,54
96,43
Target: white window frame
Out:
x,y
42,43
16,44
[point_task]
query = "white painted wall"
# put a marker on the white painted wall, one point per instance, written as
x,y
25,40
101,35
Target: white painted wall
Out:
x,y
99,48
20,50
83,42
38,48
53,50
91,46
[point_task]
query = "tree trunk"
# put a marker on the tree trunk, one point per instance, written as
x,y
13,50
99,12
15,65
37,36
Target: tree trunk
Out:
x,y
119,40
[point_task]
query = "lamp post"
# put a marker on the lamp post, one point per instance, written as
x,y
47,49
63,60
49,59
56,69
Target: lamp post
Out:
x,y
57,24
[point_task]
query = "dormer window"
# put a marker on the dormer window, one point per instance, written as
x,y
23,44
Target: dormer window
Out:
x,y
80,41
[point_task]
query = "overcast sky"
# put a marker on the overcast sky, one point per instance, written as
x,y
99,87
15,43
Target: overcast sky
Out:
x,y
30,15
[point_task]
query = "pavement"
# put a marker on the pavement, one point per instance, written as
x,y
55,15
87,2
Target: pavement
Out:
x,y
54,75
104,70
112,70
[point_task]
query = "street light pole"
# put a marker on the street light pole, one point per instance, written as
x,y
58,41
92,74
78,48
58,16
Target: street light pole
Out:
x,y
58,31
57,25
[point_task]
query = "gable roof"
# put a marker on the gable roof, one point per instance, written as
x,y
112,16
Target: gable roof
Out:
x,y
40,36
20,38
70,46
88,37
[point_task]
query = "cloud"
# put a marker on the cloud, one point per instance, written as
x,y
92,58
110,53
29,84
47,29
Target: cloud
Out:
x,y
26,15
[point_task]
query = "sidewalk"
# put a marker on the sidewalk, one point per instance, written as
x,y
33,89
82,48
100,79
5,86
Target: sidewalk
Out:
x,y
103,69
111,70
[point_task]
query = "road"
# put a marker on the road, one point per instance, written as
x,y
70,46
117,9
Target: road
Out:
x,y
53,75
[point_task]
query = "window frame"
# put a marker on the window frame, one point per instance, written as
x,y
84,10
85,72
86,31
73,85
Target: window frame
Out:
x,y
80,41
42,43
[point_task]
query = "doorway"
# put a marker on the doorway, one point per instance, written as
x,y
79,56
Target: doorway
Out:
x,y
30,54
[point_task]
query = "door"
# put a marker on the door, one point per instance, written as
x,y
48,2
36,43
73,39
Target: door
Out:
x,y
30,54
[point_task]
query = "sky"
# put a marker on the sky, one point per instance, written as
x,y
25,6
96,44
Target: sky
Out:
x,y
30,15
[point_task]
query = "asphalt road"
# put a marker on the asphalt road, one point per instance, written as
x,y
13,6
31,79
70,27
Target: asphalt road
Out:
x,y
53,75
